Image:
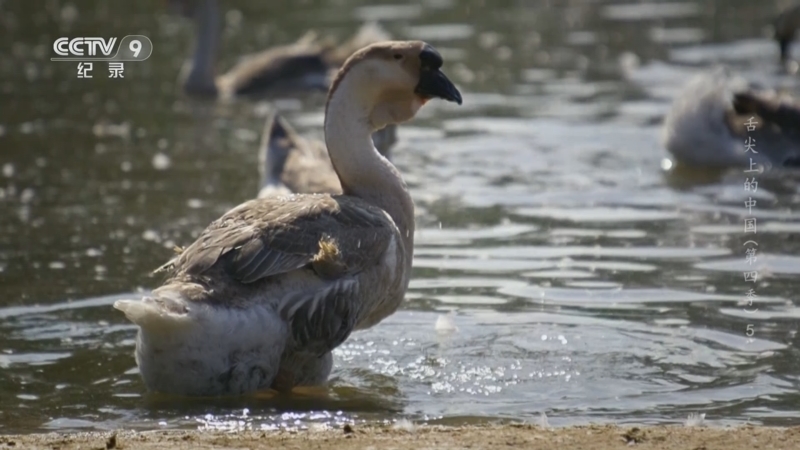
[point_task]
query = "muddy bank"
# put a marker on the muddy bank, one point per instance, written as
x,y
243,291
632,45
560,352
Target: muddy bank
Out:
x,y
384,438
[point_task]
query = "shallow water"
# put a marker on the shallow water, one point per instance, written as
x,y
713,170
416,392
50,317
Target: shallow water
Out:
x,y
558,269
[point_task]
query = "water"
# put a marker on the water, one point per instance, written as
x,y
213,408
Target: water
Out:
x,y
558,269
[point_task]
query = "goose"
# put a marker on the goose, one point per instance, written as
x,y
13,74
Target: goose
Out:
x,y
306,63
705,126
268,290
786,26
289,163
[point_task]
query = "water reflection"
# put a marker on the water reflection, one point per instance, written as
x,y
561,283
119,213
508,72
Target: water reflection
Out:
x,y
569,258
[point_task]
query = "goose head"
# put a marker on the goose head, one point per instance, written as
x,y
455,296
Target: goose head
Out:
x,y
391,80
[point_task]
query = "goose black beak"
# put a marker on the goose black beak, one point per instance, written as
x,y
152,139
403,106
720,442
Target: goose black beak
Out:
x,y
434,83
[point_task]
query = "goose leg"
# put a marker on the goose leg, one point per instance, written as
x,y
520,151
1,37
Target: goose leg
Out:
x,y
302,369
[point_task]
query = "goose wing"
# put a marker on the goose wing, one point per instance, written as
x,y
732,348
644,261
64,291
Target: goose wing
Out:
x,y
289,162
265,70
335,236
301,165
278,140
262,238
778,131
783,113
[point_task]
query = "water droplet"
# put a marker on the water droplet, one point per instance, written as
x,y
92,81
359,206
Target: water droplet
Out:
x,y
161,161
150,235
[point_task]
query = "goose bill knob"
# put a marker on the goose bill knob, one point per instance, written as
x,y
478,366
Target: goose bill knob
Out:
x,y
432,81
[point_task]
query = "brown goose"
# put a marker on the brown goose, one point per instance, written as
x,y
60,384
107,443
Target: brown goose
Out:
x,y
706,124
289,163
305,64
268,290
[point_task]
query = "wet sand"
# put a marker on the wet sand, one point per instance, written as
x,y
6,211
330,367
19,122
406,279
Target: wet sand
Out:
x,y
593,437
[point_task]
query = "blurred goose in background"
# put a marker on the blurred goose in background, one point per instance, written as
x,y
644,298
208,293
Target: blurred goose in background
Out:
x,y
289,163
268,290
305,64
705,126
786,26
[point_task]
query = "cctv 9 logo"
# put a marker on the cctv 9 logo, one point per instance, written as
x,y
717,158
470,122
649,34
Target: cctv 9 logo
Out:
x,y
131,48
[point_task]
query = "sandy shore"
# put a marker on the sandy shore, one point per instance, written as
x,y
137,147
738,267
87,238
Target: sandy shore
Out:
x,y
385,438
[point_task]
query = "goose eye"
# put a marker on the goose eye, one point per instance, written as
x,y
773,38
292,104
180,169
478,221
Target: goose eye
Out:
x,y
398,56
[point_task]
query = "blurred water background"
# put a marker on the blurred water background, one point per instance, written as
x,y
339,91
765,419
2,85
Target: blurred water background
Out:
x,y
558,268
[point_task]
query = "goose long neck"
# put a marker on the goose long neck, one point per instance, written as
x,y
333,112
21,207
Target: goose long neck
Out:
x,y
362,171
202,75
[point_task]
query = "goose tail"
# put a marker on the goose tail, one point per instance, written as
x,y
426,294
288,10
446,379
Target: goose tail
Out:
x,y
277,140
162,311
